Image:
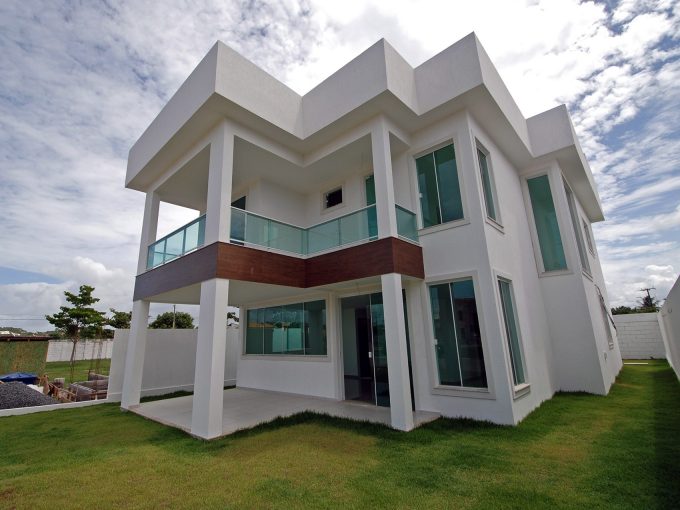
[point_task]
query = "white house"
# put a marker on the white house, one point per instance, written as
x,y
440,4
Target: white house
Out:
x,y
398,236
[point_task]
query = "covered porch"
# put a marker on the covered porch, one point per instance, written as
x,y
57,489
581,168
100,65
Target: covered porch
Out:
x,y
244,408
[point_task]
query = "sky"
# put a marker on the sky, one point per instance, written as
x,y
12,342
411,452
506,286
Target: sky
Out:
x,y
80,81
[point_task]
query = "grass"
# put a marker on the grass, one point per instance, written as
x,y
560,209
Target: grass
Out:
x,y
63,369
575,451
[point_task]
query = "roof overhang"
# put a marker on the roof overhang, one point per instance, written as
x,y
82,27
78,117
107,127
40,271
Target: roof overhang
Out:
x,y
379,81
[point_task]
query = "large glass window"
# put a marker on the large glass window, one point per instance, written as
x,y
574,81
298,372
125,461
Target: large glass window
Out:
x,y
585,264
370,200
439,188
487,185
547,229
512,332
458,342
295,329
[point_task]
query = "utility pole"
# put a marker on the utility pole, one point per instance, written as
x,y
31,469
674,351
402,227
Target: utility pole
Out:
x,y
647,291
174,312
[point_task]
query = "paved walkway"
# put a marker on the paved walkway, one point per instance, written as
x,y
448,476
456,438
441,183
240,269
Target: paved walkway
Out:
x,y
246,408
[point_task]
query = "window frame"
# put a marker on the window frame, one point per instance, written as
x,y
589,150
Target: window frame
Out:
x,y
421,151
243,312
324,197
498,220
538,254
456,391
574,216
521,389
587,230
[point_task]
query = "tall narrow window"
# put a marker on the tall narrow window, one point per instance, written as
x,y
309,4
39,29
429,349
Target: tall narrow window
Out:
x,y
577,231
547,229
439,188
372,213
512,332
487,185
589,239
458,342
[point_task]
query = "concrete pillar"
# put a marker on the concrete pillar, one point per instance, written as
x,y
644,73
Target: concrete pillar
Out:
x,y
134,355
397,352
220,173
384,184
206,415
149,228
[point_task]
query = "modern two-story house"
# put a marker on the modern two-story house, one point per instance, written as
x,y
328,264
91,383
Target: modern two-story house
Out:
x,y
401,237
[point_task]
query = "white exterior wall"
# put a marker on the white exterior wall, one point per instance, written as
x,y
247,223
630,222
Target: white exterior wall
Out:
x,y
60,350
669,317
170,360
639,336
511,257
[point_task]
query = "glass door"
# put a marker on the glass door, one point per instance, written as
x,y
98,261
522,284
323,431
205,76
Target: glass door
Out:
x,y
364,350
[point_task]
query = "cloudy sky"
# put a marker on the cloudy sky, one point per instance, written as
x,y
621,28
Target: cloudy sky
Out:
x,y
80,81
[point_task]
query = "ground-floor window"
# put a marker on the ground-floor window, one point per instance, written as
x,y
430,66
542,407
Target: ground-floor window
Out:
x,y
512,331
295,329
458,342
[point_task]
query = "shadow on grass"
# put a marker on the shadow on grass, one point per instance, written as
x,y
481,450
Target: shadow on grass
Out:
x,y
666,431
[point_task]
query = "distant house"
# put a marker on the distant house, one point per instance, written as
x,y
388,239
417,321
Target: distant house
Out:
x,y
398,236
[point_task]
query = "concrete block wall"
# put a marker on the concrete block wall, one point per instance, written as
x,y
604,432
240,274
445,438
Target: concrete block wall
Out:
x,y
639,336
60,350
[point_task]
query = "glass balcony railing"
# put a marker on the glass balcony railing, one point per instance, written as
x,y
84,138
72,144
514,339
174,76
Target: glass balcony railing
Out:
x,y
181,241
356,227
407,225
249,228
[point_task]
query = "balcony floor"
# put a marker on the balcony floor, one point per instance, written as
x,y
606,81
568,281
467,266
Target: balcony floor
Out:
x,y
246,408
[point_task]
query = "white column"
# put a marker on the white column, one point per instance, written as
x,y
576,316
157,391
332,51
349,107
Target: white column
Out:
x,y
134,355
206,415
397,352
384,183
220,173
149,228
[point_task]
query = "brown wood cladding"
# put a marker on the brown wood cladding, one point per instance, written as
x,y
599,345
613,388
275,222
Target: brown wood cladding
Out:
x,y
233,262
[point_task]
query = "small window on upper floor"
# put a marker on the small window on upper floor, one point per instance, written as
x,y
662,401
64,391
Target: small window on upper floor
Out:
x,y
332,198
488,187
589,239
439,187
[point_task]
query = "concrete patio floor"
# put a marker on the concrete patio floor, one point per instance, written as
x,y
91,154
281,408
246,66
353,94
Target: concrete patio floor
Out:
x,y
245,408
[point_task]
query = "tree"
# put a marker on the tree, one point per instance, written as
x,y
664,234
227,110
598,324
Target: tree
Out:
x,y
181,320
232,316
78,320
622,310
648,304
119,320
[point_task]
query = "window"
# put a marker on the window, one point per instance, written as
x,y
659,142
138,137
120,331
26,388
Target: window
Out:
x,y
512,332
370,200
296,329
547,229
606,318
487,185
458,342
332,198
439,188
589,239
585,264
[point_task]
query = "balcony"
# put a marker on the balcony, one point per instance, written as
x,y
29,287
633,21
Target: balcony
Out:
x,y
354,228
253,230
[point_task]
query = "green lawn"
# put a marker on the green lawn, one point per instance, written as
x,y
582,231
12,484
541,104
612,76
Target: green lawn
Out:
x,y
63,369
576,451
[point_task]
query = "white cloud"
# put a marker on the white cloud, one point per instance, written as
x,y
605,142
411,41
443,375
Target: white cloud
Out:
x,y
81,82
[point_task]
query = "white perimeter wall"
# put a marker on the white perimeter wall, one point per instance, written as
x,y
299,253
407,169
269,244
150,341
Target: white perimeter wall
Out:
x,y
60,350
640,336
670,322
169,362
